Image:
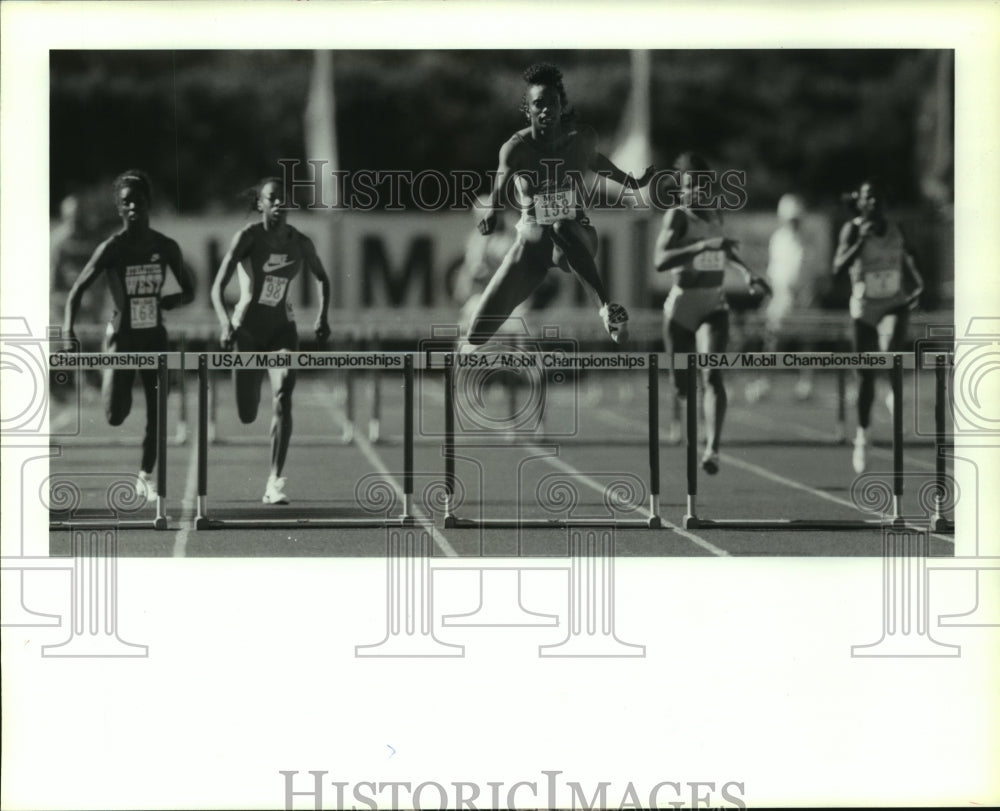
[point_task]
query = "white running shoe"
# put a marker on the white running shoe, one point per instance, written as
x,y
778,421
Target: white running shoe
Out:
x,y
860,456
674,433
803,389
275,491
145,486
710,462
615,318
756,390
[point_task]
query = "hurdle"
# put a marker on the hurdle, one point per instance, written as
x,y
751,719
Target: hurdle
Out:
x,y
368,361
867,360
130,360
179,439
453,521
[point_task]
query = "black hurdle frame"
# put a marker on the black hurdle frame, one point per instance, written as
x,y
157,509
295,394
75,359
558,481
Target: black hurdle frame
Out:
x,y
159,520
693,521
653,521
203,521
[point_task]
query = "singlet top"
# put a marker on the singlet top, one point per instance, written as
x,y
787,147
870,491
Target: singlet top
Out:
x,y
554,196
135,271
709,266
877,271
269,268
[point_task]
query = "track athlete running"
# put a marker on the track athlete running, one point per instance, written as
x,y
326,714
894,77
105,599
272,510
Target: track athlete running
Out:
x,y
876,254
268,254
134,263
693,247
546,161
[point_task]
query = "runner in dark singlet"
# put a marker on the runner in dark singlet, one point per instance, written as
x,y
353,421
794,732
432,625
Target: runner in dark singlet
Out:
x,y
546,161
874,250
269,255
134,263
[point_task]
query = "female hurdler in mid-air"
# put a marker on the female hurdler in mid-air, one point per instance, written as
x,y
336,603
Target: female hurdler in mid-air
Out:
x,y
546,162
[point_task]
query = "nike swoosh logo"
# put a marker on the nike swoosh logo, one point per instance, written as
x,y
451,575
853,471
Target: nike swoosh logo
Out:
x,y
270,266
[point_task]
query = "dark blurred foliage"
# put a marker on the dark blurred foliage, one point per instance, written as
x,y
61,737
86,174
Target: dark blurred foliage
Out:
x,y
207,124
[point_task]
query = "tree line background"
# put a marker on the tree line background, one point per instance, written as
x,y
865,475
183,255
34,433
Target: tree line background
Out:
x,y
207,124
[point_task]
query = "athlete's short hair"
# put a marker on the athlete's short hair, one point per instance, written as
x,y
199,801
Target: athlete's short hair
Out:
x,y
873,182
691,162
549,75
134,179
252,194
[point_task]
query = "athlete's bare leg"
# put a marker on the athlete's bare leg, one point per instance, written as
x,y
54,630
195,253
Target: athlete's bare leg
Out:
x,y
282,385
521,271
247,383
576,246
713,336
866,339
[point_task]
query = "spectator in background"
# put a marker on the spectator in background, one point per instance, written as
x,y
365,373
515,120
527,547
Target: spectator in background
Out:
x,y
73,241
790,258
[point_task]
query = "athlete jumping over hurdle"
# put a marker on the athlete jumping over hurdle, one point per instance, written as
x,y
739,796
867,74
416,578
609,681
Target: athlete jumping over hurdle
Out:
x,y
874,250
546,162
268,254
134,262
692,246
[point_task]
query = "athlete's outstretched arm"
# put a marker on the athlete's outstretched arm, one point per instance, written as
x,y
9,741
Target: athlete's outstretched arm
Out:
x,y
497,193
603,166
237,250
183,276
94,268
315,267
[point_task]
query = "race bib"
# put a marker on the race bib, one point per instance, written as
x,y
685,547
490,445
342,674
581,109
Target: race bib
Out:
x,y
273,290
143,312
882,283
710,260
555,206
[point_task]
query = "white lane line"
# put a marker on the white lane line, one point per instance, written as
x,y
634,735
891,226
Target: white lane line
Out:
x,y
187,504
806,432
376,461
777,478
594,485
61,420
556,462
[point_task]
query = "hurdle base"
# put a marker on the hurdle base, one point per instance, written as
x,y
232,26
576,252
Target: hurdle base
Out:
x,y
108,523
454,522
206,523
693,522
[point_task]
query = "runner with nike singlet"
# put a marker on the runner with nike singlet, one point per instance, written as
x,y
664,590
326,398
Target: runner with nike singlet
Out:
x,y
878,259
693,247
545,161
268,255
134,262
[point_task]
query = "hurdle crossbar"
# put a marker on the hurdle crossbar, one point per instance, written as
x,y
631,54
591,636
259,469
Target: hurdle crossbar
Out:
x,y
873,360
335,360
651,521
